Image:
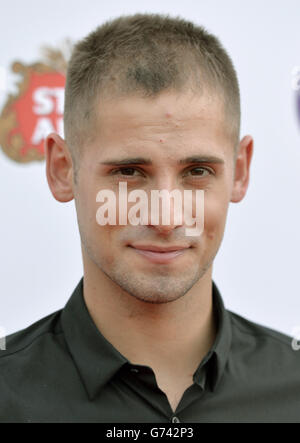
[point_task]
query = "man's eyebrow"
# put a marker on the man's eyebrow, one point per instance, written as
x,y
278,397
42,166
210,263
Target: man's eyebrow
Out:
x,y
201,159
148,161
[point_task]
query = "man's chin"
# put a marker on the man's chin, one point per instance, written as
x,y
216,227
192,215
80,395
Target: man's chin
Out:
x,y
159,290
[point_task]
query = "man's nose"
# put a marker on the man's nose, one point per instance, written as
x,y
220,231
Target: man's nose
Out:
x,y
166,207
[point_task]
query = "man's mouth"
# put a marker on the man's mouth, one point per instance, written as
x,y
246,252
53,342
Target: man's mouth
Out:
x,y
160,254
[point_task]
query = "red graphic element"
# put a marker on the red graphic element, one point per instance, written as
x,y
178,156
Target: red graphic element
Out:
x,y
39,108
32,114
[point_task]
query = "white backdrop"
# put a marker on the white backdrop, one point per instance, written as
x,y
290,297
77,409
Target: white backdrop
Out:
x,y
257,265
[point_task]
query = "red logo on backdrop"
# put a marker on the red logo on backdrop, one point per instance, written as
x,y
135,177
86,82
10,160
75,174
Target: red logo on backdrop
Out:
x,y
36,110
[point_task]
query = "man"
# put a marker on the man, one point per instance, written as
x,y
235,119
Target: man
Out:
x,y
151,102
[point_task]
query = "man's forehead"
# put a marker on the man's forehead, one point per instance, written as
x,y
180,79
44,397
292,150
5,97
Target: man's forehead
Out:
x,y
167,108
172,125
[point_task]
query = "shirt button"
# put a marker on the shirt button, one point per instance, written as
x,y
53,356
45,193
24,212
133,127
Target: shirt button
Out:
x,y
175,420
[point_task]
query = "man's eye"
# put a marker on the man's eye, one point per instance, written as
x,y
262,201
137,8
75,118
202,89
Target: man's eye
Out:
x,y
125,171
197,171
130,172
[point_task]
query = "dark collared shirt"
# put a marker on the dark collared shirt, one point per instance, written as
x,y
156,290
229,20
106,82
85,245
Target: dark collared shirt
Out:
x,y
62,369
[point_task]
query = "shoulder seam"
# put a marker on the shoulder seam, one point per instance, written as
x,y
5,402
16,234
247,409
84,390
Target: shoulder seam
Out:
x,y
28,344
266,334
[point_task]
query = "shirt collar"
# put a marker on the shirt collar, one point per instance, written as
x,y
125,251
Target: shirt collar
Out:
x,y
97,360
219,353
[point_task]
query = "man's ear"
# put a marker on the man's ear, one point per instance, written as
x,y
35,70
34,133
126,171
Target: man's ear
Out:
x,y
59,168
242,169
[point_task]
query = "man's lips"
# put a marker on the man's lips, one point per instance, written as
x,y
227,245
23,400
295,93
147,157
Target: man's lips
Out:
x,y
157,248
159,254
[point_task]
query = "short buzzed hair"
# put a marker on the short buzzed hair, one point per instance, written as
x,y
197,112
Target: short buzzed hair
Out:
x,y
145,54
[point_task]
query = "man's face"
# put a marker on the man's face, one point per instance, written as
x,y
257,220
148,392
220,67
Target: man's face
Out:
x,y
166,129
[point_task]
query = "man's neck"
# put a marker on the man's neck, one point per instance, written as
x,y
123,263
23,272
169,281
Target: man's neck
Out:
x,y
169,337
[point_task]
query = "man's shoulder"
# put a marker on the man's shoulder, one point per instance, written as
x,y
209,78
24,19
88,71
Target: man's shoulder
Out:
x,y
247,326
264,343
28,339
32,369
